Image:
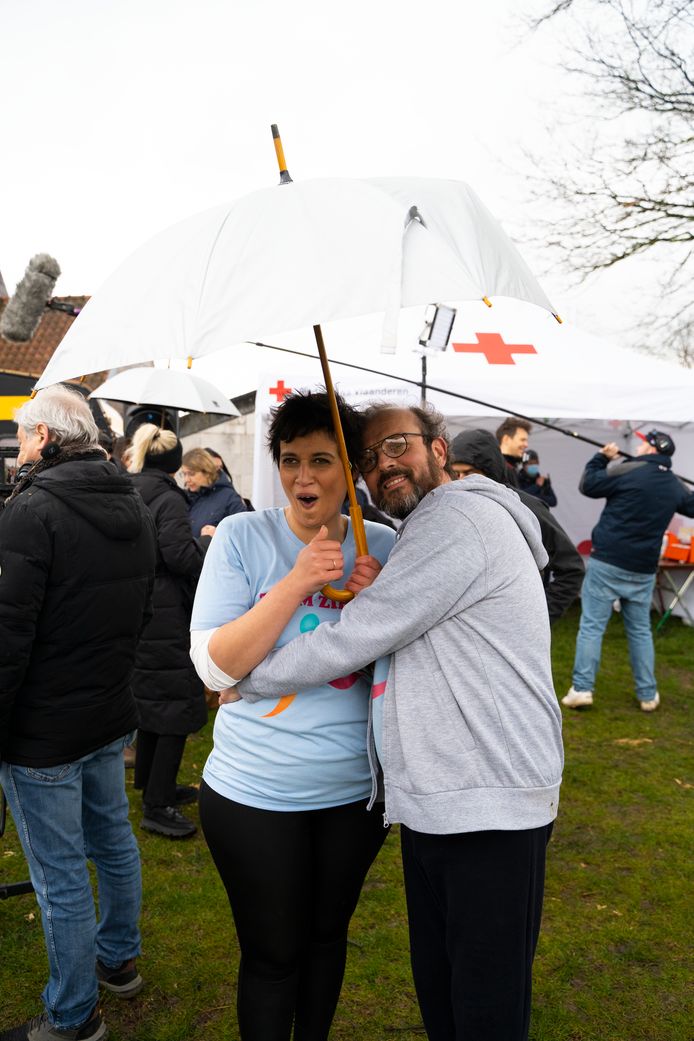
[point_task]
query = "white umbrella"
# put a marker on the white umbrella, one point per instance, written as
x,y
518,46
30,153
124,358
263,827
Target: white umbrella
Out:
x,y
172,388
293,256
290,257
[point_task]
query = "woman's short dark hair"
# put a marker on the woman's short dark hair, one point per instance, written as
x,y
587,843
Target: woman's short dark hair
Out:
x,y
304,413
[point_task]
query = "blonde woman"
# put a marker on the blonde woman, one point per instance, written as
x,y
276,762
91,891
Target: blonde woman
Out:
x,y
212,495
170,697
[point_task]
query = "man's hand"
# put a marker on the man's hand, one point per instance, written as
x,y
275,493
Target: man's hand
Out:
x,y
611,450
366,569
208,529
228,696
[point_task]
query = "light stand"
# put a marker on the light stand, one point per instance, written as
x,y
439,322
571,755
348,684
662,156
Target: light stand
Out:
x,y
434,336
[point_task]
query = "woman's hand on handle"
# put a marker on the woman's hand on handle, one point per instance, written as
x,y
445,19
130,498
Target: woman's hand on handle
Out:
x,y
318,563
239,645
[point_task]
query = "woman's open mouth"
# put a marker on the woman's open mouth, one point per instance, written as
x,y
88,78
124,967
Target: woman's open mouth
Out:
x,y
307,500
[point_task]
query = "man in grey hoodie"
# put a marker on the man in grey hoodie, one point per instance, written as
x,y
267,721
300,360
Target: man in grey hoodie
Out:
x,y
472,751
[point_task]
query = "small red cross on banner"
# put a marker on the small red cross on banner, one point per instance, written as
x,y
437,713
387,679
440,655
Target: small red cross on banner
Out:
x,y
280,391
492,346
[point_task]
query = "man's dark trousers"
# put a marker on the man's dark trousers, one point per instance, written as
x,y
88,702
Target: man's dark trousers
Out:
x,y
474,902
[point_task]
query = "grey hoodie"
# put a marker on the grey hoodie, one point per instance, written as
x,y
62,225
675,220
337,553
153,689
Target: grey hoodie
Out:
x,y
471,726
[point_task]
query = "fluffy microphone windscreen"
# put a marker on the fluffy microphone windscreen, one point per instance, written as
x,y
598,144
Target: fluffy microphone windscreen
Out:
x,y
23,313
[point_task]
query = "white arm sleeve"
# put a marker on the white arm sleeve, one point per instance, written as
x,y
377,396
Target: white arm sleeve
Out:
x,y
210,674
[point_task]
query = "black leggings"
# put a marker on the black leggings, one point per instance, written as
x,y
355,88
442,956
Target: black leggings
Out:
x,y
293,881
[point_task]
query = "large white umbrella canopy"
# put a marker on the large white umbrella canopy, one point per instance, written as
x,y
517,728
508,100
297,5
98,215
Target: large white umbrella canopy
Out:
x,y
172,388
293,256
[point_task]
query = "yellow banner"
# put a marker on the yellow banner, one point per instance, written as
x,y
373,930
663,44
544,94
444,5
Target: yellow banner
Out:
x,y
9,403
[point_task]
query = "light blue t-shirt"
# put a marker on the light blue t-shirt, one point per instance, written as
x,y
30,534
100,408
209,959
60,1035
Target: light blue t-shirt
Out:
x,y
307,749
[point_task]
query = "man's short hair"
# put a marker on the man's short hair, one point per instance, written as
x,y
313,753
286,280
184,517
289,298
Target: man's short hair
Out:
x,y
66,414
510,425
431,423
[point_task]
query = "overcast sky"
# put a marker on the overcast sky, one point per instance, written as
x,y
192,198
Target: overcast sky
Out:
x,y
120,117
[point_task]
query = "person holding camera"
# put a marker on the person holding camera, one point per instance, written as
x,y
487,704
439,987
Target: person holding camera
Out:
x,y
532,482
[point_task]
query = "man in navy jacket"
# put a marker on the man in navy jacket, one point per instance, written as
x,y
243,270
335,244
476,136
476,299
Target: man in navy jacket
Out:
x,y
642,495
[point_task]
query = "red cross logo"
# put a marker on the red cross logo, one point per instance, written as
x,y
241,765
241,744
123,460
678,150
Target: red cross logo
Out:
x,y
494,349
280,391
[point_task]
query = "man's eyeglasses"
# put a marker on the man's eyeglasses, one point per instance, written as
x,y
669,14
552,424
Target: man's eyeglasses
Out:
x,y
393,446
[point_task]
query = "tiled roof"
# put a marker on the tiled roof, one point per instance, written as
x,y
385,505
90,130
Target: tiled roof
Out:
x,y
31,358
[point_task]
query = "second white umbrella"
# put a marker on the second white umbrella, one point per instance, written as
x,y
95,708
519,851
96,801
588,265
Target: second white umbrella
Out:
x,y
171,388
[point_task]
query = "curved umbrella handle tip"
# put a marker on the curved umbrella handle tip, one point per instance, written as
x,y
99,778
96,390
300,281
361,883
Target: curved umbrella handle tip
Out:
x,y
343,596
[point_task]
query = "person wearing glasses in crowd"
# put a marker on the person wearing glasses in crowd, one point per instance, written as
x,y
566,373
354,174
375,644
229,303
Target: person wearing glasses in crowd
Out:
x,y
471,731
286,789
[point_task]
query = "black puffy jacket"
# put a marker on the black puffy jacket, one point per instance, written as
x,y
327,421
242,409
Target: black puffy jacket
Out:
x,y
77,559
563,575
170,697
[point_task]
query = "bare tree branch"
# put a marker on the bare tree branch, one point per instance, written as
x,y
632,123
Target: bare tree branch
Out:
x,y
630,194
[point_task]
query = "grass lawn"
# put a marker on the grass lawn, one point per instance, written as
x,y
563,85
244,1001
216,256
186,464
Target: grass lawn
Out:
x,y
612,964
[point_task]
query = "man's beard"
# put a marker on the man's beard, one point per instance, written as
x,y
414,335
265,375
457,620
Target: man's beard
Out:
x,y
401,505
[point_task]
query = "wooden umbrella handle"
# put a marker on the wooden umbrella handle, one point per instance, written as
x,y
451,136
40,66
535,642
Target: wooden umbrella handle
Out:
x,y
343,596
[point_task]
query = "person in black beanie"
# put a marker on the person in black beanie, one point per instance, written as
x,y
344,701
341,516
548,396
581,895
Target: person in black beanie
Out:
x,y
476,451
170,697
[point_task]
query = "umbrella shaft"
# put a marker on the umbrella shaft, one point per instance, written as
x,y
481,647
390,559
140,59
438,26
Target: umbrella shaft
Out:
x,y
355,509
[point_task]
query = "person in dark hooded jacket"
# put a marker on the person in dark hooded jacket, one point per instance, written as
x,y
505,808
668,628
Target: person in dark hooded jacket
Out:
x,y
476,451
170,697
212,495
77,558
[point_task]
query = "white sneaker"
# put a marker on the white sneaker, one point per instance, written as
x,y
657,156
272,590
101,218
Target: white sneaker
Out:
x,y
578,698
650,706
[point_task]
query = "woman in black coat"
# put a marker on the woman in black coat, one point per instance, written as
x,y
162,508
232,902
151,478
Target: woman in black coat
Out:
x,y
170,697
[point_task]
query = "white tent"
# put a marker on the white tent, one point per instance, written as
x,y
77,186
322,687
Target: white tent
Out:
x,y
512,356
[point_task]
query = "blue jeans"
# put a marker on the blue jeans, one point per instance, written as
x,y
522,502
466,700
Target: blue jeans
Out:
x,y
65,815
603,584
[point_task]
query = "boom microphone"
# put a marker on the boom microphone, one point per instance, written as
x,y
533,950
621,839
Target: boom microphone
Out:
x,y
24,311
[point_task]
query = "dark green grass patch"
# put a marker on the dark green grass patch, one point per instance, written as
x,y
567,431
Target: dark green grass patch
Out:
x,y
613,962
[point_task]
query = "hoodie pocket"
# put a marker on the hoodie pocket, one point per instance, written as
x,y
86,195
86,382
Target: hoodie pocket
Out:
x,y
438,748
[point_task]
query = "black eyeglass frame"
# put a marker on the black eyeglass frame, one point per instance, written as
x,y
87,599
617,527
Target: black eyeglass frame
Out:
x,y
373,450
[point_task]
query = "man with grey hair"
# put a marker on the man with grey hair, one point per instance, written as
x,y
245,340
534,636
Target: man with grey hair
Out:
x,y
465,720
77,559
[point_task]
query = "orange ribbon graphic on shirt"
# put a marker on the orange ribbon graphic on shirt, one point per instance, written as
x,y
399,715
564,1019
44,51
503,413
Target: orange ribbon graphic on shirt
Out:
x,y
344,683
284,702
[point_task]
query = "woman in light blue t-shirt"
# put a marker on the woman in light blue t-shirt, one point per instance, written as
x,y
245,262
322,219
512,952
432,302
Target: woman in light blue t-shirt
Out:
x,y
284,797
